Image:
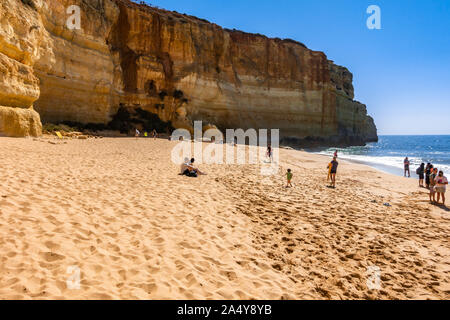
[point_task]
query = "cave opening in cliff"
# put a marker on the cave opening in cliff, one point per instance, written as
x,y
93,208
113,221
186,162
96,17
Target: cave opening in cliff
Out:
x,y
150,88
163,94
129,118
178,94
126,120
29,3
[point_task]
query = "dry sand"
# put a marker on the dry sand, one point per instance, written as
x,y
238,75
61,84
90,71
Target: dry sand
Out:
x,y
118,210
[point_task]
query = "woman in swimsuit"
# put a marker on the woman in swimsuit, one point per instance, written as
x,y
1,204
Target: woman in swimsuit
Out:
x,y
441,186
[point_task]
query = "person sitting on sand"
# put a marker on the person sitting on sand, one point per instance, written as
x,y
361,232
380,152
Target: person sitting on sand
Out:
x,y
289,178
184,165
406,163
433,175
421,171
333,171
188,169
441,186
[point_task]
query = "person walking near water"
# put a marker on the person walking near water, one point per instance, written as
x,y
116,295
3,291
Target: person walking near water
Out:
x,y
441,186
407,163
420,171
333,171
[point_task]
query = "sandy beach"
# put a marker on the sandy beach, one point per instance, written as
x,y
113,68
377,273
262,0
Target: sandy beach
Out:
x,y
117,209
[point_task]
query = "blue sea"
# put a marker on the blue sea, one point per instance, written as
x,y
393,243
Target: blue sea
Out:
x,y
390,151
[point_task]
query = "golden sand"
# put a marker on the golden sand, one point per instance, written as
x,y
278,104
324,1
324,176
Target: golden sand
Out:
x,y
117,209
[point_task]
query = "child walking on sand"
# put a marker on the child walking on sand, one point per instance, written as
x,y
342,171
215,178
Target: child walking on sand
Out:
x,y
289,178
330,165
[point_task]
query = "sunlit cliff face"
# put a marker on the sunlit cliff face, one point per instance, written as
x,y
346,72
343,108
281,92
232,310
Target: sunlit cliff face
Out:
x,y
179,67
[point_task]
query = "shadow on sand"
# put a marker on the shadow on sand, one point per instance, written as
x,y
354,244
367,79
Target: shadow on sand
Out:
x,y
442,206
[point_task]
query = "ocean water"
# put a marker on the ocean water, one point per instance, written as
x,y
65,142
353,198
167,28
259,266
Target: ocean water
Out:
x,y
390,151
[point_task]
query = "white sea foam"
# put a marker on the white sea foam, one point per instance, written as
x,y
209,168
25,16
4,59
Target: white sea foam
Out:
x,y
394,162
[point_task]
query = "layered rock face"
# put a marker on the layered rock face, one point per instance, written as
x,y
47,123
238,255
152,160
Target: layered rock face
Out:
x,y
20,43
20,122
183,69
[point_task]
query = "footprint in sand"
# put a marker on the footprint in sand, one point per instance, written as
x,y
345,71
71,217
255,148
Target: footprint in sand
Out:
x,y
52,257
52,245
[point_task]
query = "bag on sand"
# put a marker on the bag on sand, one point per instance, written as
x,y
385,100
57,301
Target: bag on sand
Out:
x,y
193,174
188,173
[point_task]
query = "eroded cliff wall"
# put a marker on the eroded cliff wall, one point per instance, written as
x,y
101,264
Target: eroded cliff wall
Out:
x,y
20,46
183,69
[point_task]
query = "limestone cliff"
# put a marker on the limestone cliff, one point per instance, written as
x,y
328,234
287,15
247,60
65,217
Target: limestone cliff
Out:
x,y
20,42
179,67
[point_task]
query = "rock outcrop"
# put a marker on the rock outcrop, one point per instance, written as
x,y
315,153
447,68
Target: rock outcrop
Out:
x,y
20,45
19,122
177,66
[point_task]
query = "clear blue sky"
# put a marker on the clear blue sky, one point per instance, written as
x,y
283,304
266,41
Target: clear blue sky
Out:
x,y
401,72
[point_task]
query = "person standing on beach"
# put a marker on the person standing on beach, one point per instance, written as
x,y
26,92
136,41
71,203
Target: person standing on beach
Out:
x,y
269,152
407,163
433,175
336,154
428,170
333,171
154,134
137,133
289,178
420,171
441,186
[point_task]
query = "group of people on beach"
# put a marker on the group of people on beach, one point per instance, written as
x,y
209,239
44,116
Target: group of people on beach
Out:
x,y
154,134
332,171
435,181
